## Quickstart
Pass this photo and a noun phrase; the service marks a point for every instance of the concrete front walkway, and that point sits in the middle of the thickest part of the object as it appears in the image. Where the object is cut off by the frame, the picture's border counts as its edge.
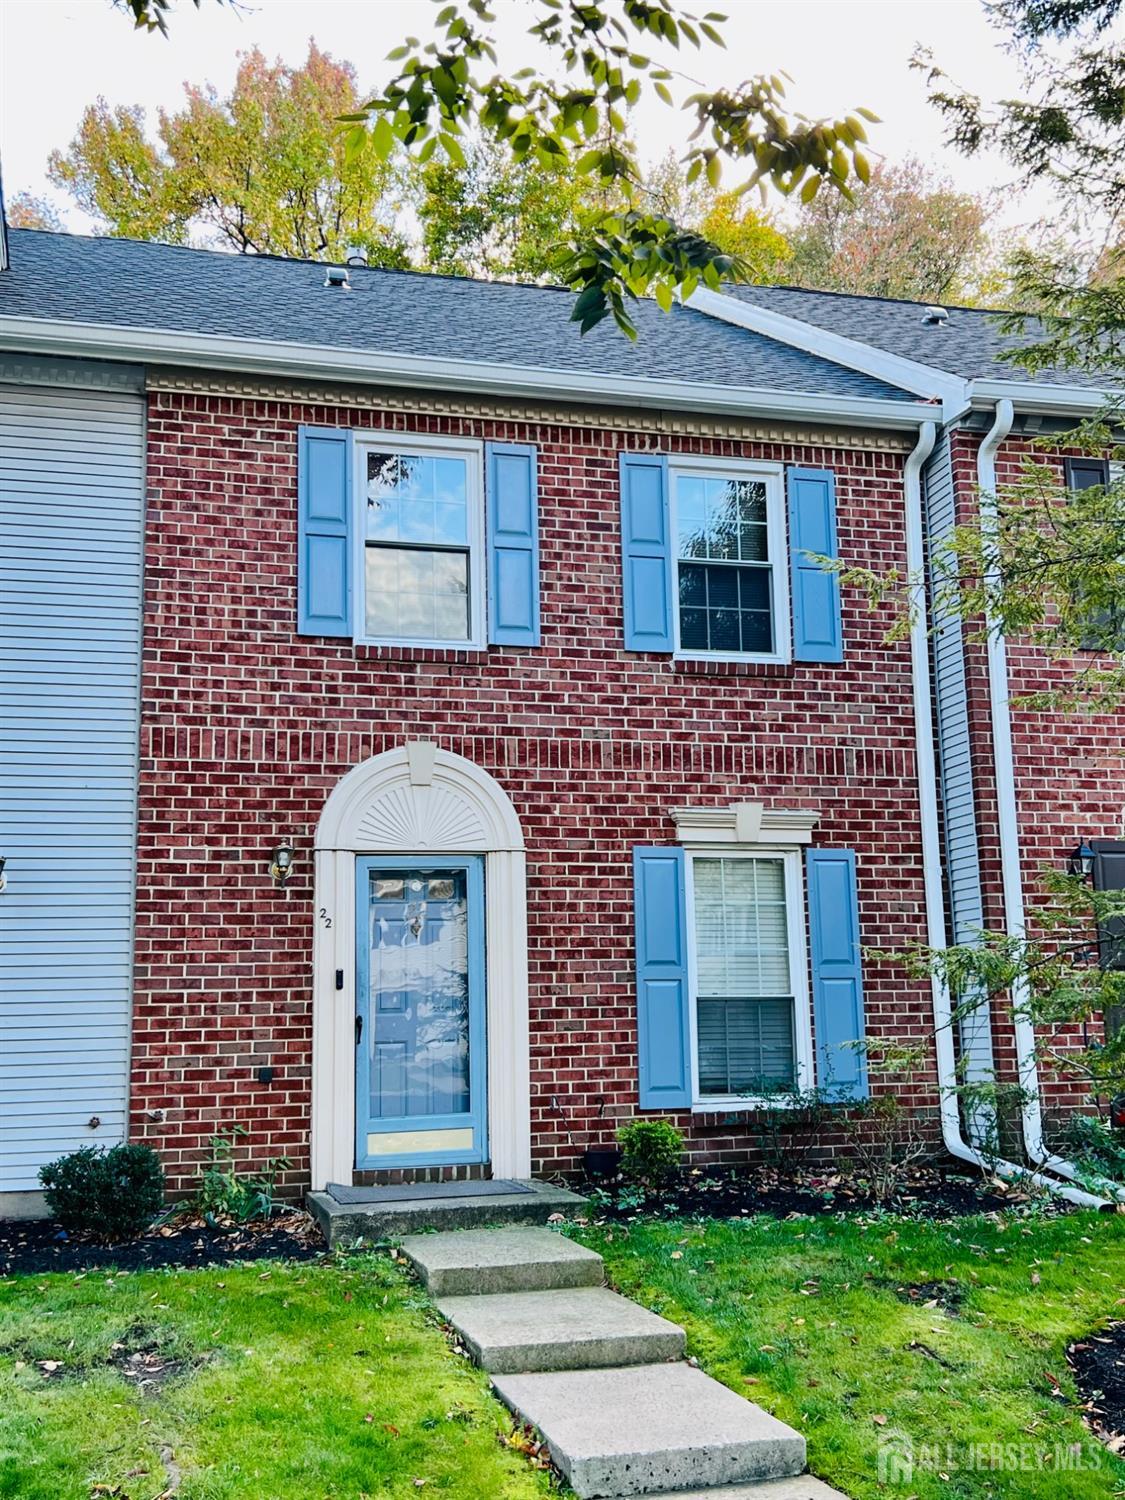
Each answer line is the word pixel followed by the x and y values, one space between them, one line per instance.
pixel 603 1380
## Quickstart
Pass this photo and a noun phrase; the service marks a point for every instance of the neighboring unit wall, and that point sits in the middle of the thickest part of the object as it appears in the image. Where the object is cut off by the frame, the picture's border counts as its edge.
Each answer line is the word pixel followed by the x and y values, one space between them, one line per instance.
pixel 71 536
pixel 1069 772
pixel 248 727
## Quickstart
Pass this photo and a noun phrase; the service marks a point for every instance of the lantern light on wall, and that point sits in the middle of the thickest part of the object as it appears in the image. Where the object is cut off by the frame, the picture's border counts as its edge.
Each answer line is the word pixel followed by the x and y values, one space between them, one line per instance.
pixel 281 862
pixel 1080 864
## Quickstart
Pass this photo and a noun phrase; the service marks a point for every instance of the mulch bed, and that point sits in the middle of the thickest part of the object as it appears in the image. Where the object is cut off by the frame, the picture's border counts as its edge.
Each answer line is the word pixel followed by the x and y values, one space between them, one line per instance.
pixel 1098 1363
pixel 927 1192
pixel 38 1245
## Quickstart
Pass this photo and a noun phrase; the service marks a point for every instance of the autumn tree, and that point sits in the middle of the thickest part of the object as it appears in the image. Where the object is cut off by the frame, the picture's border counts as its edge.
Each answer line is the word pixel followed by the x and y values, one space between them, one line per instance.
pixel 262 171
pixel 26 211
pixel 905 233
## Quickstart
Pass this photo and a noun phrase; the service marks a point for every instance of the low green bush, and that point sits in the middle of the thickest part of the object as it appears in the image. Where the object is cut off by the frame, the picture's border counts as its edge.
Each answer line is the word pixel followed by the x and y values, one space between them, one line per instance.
pixel 110 1194
pixel 651 1150
pixel 225 1193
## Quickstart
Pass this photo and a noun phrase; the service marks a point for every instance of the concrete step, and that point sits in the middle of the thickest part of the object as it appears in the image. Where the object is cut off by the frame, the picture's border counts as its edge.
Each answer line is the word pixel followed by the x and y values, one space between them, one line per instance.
pixel 575 1329
pixel 800 1487
pixel 366 1223
pixel 651 1429
pixel 475 1262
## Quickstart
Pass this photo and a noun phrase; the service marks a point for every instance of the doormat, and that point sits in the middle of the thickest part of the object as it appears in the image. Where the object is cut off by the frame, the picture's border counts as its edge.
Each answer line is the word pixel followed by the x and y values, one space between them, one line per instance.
pixel 405 1192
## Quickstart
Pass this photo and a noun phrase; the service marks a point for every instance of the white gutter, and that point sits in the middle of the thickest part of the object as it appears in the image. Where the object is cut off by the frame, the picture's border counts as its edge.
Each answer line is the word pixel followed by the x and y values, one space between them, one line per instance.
pixel 955 1142
pixel 895 369
pixel 1007 818
pixel 1042 398
pixel 278 357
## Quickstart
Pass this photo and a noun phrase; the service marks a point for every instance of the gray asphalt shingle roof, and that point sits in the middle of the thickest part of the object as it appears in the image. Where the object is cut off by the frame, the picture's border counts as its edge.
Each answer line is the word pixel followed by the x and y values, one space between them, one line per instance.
pixel 135 284
pixel 969 345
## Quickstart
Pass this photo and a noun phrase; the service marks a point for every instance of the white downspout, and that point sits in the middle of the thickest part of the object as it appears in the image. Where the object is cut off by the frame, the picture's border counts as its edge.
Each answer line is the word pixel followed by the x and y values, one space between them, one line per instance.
pixel 955 1142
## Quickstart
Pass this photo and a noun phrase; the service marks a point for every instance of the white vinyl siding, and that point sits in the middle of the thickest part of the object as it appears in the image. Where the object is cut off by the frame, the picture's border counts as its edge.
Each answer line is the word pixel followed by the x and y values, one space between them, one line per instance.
pixel 71 540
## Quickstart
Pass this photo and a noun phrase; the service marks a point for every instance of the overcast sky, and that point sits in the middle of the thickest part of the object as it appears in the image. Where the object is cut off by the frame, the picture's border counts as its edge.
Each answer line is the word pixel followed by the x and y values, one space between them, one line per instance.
pixel 57 55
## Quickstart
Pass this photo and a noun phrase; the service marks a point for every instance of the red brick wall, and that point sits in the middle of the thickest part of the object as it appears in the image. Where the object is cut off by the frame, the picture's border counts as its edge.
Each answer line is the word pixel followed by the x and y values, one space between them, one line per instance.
pixel 247 726
pixel 1069 772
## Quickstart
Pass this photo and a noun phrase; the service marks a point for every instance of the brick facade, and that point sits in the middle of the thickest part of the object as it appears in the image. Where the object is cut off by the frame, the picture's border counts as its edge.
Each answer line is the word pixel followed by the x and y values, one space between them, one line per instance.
pixel 247 726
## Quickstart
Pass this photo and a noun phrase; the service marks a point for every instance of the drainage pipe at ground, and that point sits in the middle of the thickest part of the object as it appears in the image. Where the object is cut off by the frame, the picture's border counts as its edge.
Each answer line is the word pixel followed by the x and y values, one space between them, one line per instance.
pixel 952 1136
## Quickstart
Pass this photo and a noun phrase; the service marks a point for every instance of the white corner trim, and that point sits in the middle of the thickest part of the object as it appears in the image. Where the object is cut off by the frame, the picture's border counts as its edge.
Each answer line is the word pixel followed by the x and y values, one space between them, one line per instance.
pixel 908 374
pixel 745 823
pixel 419 800
pixel 481 377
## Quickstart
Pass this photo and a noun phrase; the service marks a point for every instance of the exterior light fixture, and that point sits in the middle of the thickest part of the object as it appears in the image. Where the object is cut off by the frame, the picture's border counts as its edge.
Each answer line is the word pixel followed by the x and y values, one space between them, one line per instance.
pixel 1081 862
pixel 3 877
pixel 281 862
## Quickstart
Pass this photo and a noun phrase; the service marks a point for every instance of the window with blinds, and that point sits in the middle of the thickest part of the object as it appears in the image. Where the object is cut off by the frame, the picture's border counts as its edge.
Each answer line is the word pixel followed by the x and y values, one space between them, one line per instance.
pixel 744 999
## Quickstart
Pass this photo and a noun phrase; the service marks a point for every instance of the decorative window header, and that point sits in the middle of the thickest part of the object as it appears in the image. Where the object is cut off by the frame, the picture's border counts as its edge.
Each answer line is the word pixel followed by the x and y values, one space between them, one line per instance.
pixel 745 823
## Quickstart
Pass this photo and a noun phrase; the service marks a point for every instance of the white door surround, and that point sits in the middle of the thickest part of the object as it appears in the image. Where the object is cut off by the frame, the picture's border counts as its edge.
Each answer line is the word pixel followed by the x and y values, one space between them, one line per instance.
pixel 419 800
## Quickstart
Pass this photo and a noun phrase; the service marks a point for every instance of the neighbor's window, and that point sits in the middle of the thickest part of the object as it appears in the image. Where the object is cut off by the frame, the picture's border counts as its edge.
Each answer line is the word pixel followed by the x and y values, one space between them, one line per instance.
pixel 744 1003
pixel 727 551
pixel 421 544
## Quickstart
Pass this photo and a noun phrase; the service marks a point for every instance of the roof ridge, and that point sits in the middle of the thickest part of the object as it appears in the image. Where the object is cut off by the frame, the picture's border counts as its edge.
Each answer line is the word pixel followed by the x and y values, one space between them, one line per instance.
pixel 815 291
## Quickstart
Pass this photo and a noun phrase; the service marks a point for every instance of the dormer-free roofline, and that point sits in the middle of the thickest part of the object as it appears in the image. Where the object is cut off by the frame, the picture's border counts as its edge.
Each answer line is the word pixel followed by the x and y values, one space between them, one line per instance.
pixel 275 357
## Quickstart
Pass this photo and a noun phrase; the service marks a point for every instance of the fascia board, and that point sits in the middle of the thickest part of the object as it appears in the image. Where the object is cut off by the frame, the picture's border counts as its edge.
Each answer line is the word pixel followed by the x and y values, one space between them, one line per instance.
pixel 894 369
pixel 276 357
pixel 1037 396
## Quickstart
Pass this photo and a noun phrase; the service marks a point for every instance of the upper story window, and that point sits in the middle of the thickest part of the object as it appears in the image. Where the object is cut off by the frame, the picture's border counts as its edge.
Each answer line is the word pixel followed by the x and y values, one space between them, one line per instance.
pixel 421 577
pixel 731 588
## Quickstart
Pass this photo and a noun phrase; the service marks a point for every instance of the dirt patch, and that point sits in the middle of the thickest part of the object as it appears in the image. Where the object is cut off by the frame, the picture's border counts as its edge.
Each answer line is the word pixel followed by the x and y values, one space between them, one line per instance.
pixel 948 1295
pixel 1098 1362
pixel 147 1359
pixel 38 1245
pixel 925 1193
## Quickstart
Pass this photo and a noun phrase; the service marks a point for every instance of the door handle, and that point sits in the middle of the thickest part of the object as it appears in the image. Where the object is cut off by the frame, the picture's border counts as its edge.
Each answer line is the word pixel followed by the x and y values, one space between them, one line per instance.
pixel 358 1029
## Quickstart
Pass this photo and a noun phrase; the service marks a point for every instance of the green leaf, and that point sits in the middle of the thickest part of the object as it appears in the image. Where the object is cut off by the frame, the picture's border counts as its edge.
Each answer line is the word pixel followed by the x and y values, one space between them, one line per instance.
pixel 714 171
pixel 664 295
pixel 810 190
pixel 382 137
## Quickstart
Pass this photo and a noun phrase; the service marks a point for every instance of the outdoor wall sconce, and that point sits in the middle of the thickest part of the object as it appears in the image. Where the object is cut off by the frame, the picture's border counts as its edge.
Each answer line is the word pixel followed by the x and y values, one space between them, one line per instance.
pixel 3 877
pixel 1081 862
pixel 281 863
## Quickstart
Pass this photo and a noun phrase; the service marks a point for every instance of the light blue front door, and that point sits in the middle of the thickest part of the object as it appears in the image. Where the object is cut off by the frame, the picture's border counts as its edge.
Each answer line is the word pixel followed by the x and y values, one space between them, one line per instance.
pixel 420 1012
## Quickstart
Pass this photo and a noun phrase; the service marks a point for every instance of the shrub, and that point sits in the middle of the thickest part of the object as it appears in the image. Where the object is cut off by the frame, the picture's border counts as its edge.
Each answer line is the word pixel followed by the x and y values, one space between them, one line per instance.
pixel 111 1195
pixel 651 1150
pixel 223 1194
pixel 1095 1146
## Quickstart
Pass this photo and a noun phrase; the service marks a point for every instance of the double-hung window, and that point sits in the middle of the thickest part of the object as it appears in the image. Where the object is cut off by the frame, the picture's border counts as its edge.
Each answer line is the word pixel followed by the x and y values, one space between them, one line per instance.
pixel 751 1003
pixel 421 524
pixel 731 584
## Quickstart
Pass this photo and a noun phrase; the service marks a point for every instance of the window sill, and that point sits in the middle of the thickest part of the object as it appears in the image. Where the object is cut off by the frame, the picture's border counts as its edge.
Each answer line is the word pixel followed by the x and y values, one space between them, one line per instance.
pixel 404 652
pixel 731 666
pixel 739 1105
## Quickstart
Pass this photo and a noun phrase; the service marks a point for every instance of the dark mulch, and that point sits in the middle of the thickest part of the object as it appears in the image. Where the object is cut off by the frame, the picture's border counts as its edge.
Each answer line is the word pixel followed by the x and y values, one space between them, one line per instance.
pixel 38 1245
pixel 927 1192
pixel 1098 1363
pixel 948 1295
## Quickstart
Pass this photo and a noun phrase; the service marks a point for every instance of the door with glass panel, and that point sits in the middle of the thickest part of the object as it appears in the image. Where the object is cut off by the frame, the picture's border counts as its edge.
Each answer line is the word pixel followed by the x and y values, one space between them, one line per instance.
pixel 746 1042
pixel 420 1012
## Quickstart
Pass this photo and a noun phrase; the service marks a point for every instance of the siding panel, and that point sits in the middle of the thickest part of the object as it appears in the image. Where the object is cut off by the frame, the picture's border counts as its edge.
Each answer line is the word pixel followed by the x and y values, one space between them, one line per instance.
pixel 71 540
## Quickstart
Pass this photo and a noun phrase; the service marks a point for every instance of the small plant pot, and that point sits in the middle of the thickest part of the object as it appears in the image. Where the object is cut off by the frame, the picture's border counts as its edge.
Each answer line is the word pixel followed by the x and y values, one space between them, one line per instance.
pixel 601 1161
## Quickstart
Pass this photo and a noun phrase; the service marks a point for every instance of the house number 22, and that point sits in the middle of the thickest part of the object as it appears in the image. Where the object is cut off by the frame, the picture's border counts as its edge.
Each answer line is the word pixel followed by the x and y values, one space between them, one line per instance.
pixel 324 917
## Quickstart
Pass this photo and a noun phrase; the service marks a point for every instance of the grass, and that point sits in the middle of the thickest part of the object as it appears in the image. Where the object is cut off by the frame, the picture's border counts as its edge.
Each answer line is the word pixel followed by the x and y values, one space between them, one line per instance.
pixel 813 1320
pixel 294 1382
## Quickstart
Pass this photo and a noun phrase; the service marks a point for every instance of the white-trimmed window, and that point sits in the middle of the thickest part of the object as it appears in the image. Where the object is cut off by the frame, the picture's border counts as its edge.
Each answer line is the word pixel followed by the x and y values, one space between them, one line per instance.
pixel 731 583
pixel 752 1033
pixel 420 528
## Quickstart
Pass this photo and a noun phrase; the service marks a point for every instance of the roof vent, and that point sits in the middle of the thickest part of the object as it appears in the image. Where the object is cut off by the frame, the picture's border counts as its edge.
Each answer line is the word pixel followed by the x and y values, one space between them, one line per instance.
pixel 337 276
pixel 935 317
pixel 355 256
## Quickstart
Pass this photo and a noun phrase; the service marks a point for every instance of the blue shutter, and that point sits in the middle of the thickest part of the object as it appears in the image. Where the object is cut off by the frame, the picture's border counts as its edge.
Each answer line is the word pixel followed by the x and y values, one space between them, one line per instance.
pixel 817 629
pixel 836 973
pixel 324 589
pixel 513 545
pixel 646 547
pixel 660 906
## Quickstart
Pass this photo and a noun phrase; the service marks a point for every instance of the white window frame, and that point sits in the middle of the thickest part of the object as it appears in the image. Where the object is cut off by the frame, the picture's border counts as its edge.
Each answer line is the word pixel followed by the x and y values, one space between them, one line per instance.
pixel 773 476
pixel 470 449
pixel 798 973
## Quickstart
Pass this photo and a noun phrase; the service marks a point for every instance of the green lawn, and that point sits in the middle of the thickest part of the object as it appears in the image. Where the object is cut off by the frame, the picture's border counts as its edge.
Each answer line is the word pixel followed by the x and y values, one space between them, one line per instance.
pixel 298 1381
pixel 811 1318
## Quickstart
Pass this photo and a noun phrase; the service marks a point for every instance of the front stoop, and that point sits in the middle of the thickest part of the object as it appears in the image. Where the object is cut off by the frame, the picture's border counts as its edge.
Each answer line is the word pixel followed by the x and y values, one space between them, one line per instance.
pixel 602 1379
pixel 650 1429
pixel 345 1224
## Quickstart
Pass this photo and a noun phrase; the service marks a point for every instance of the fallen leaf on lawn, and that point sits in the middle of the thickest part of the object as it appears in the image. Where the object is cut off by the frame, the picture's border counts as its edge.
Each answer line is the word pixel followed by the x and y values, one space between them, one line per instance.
pixel 418 1483
pixel 677 1255
pixel 368 1416
pixel 1035 1278
pixel 751 1380
pixel 879 1419
pixel 392 1429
